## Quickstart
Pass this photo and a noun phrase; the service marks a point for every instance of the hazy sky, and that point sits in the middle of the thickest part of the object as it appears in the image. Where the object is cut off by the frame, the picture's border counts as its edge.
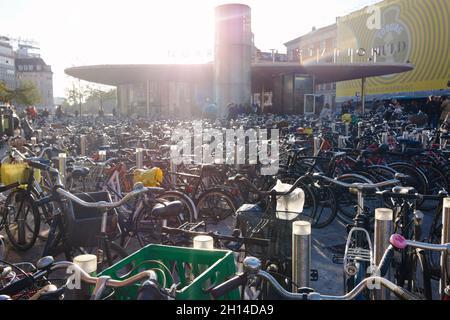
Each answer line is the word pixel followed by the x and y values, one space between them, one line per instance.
pixel 83 32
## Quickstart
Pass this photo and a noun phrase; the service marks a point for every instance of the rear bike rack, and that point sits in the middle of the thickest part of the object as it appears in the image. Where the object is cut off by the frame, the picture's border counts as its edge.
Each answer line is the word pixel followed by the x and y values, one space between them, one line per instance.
pixel 355 254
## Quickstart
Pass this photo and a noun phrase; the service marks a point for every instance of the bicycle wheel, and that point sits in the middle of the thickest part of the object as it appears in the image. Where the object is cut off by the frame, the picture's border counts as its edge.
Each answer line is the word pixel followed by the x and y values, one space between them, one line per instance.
pixel 217 204
pixel 189 213
pixel 148 227
pixel 21 219
pixel 346 201
pixel 419 280
pixel 326 207
pixel 416 177
pixel 434 236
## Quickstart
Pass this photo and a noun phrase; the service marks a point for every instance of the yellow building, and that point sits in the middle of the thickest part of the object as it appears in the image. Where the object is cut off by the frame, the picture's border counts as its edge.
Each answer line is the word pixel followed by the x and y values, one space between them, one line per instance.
pixel 397 31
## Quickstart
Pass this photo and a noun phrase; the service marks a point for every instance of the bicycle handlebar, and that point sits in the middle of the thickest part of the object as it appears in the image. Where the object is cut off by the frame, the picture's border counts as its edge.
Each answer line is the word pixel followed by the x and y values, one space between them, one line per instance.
pixel 103 282
pixel 400 242
pixel 367 283
pixel 217 236
pixel 357 185
pixel 109 205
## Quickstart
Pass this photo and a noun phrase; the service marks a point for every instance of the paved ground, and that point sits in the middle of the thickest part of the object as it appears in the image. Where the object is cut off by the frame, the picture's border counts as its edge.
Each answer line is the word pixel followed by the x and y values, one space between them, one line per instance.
pixel 330 274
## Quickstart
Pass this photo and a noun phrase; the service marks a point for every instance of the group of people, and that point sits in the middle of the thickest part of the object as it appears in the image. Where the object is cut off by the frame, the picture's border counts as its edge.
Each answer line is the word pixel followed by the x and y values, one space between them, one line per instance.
pixel 435 109
pixel 240 109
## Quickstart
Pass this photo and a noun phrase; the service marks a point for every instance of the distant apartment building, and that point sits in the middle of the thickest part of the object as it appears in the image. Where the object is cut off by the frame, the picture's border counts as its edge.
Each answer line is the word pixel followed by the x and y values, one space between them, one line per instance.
pixel 317 46
pixel 7 69
pixel 34 69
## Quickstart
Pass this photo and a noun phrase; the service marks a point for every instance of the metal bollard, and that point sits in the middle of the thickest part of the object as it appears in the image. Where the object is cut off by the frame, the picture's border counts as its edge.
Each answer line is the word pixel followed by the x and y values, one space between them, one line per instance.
pixel 203 242
pixel 383 230
pixel 102 155
pixel 83 145
pixel 384 138
pixel 341 142
pixel 347 129
pixel 301 254
pixel 333 127
pixel 316 145
pixel 360 125
pixel 39 135
pixel 445 257
pixel 80 290
pixel 62 166
pixel 139 158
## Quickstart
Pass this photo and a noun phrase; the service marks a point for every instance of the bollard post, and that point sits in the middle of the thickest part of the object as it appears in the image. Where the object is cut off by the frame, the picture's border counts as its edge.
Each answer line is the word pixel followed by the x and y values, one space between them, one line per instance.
pixel 301 254
pixel 341 142
pixel 139 158
pixel 360 124
pixel 384 138
pixel 62 167
pixel 83 145
pixel 333 127
pixel 347 129
pixel 383 230
pixel 203 242
pixel 88 263
pixel 39 135
pixel 445 257
pixel 102 155
pixel 316 145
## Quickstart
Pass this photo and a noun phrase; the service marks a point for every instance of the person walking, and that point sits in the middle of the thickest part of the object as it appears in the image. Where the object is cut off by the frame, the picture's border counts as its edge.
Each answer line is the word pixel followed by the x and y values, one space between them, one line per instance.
pixel 445 109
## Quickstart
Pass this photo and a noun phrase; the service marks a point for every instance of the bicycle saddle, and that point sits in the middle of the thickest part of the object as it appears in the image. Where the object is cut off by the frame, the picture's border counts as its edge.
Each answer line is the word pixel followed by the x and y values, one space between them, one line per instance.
pixel 404 190
pixel 79 171
pixel 169 209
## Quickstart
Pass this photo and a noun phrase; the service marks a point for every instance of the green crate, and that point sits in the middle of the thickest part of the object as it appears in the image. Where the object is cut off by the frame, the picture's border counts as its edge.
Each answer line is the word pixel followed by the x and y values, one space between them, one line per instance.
pixel 200 269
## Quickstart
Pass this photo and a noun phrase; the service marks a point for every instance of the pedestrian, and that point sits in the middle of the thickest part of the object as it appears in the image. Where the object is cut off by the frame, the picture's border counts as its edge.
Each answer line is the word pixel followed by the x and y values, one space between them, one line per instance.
pixel 445 109
pixel 433 111
pixel 114 112
pixel 325 114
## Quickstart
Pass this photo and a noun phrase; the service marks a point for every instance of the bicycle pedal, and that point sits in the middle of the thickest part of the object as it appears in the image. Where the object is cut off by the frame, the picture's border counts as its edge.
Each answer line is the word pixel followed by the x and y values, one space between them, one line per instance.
pixel 314 275
pixel 338 259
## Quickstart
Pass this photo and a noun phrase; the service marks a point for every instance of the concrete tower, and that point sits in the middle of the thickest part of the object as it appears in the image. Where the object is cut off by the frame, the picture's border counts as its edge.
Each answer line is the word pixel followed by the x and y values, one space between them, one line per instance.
pixel 233 49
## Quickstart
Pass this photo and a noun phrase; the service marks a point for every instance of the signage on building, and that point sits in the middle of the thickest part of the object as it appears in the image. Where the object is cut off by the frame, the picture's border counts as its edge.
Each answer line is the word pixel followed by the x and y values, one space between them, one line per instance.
pixel 407 31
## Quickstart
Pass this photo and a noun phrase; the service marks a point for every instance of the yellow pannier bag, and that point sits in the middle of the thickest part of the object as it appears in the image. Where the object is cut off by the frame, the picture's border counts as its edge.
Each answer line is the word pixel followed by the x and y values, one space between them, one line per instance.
pixel 17 172
pixel 149 178
pixel 347 117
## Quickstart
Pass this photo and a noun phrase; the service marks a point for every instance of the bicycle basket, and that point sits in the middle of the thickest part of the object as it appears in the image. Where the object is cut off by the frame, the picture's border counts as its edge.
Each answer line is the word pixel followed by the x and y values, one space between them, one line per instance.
pixel 17 172
pixel 193 269
pixel 84 224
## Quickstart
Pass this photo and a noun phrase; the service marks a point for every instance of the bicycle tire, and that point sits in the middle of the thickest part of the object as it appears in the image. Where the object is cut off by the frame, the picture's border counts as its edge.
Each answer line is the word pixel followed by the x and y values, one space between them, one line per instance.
pixel 25 199
pixel 222 194
pixel 420 282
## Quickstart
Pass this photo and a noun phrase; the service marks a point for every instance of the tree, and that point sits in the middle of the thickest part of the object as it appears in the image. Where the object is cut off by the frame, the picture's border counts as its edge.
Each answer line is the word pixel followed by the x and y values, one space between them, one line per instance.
pixel 5 93
pixel 26 94
pixel 76 95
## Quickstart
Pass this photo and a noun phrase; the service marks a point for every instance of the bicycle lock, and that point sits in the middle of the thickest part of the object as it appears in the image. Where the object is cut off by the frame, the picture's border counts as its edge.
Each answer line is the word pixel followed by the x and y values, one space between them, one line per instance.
pixel 384 227
pixel 301 254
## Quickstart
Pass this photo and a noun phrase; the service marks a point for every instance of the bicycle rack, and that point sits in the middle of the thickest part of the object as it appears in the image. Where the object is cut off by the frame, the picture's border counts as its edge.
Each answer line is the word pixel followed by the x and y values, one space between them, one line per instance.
pixel 356 254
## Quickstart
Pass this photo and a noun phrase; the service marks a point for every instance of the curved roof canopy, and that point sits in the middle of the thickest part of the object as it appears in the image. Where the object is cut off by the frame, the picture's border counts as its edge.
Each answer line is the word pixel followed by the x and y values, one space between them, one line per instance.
pixel 262 73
